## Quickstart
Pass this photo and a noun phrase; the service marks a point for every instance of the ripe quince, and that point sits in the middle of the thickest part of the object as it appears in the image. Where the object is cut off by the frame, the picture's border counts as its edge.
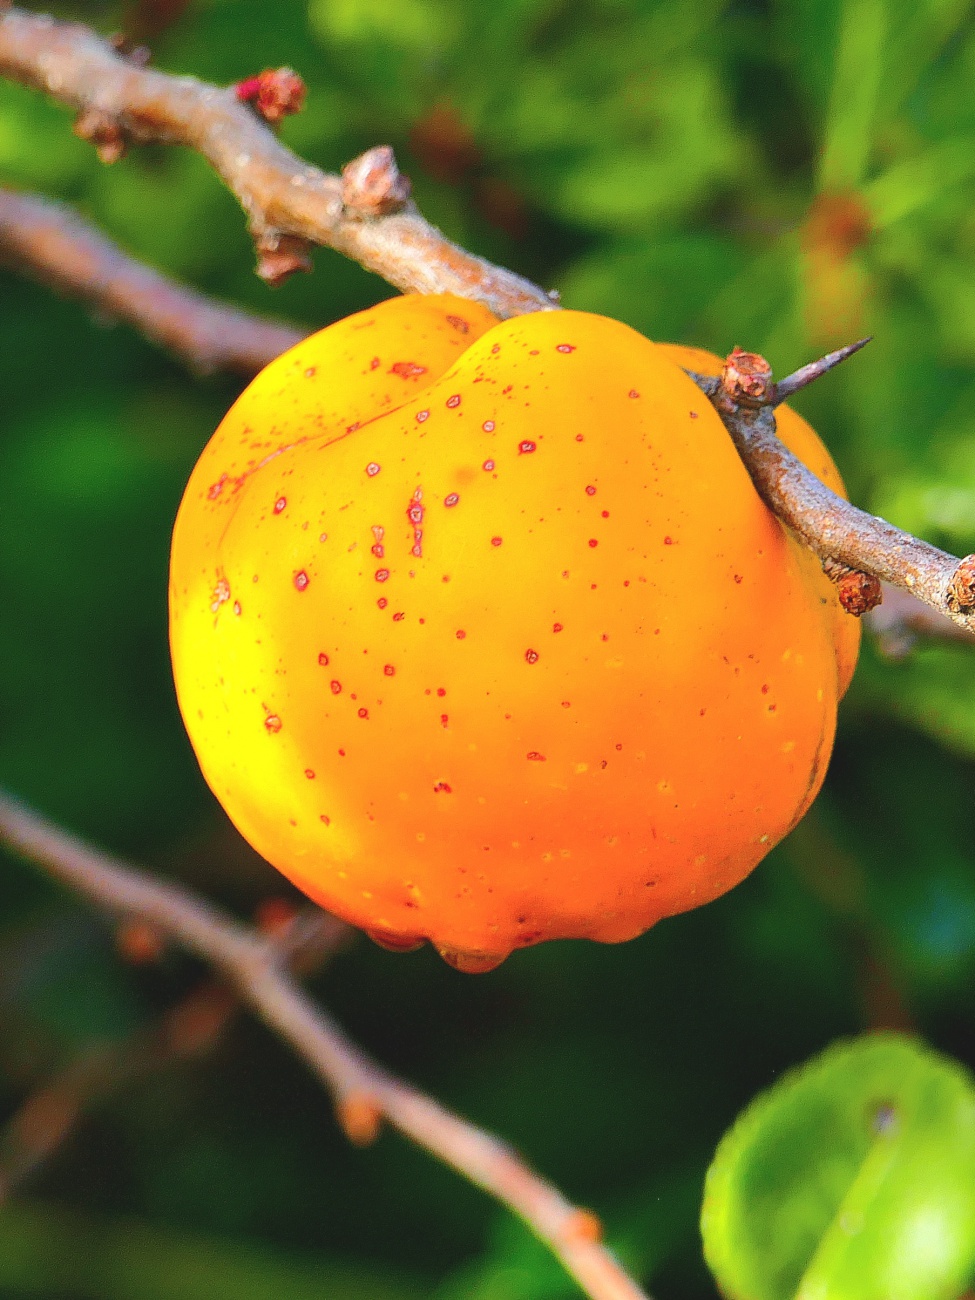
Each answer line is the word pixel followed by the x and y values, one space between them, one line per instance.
pixel 482 635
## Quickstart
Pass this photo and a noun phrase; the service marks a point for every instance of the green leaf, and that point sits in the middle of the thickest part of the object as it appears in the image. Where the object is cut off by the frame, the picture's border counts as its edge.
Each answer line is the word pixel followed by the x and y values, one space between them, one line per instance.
pixel 852 1178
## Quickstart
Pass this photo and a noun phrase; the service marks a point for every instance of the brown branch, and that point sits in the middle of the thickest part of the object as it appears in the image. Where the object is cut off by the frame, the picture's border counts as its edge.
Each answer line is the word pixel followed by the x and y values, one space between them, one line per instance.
pixel 745 397
pixel 902 621
pixel 363 1091
pixel 283 197
pixel 52 243
pixel 191 1028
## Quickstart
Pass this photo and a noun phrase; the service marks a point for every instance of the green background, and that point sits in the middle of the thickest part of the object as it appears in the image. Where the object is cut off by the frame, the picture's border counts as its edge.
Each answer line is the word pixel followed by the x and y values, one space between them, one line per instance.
pixel 784 175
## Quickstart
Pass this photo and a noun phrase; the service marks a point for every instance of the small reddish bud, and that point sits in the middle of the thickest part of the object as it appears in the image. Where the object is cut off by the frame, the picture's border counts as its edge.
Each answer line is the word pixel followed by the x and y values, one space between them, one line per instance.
pixel 275 917
pixel 746 378
pixel 274 93
pixel 858 592
pixel 103 131
pixel 139 942
pixel 359 1117
pixel 961 588
pixel 280 256
pixel 373 185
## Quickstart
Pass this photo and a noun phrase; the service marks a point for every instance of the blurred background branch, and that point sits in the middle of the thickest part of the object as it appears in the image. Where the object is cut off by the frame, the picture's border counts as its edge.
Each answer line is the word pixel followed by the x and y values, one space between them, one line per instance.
pixel 47 240
pixel 363 1093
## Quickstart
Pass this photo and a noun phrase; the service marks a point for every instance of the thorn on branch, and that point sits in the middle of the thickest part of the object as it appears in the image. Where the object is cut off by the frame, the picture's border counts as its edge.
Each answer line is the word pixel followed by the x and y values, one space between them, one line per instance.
pixel 858 592
pixel 103 131
pixel 805 376
pixel 373 185
pixel 279 256
pixel 961 587
pixel 274 93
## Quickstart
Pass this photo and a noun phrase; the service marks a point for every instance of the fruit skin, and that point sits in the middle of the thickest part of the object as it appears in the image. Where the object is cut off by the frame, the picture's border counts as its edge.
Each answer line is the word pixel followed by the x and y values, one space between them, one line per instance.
pixel 603 689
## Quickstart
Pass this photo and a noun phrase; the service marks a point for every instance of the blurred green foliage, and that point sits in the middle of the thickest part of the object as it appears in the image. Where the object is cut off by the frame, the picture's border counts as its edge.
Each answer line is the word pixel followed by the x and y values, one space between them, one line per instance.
pixel 782 174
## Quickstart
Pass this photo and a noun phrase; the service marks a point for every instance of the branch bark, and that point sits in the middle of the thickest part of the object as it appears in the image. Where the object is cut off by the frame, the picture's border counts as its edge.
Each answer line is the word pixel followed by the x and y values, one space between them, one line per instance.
pixel 362 1090
pixel 284 197
pixel 50 242
pixel 837 531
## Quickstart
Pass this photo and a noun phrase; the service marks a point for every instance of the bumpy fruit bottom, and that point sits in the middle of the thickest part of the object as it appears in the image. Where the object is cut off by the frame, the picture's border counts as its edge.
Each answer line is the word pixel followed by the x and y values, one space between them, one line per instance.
pixel 482 635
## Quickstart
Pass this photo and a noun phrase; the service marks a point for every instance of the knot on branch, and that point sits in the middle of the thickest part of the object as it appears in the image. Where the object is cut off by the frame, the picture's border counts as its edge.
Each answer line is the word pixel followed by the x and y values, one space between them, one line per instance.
pixel 279 256
pixel 858 592
pixel 103 131
pixel 961 587
pixel 273 94
pixel 373 185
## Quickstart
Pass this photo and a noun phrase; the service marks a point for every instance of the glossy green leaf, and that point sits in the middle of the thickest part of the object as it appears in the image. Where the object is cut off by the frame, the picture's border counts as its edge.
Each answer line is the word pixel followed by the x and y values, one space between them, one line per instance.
pixel 853 1178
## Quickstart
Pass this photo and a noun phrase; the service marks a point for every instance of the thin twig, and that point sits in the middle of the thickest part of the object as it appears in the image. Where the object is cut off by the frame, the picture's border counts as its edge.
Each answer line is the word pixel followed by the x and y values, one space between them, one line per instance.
pixel 191 1028
pixel 902 621
pixel 283 196
pixel 745 396
pixel 52 243
pixel 363 1091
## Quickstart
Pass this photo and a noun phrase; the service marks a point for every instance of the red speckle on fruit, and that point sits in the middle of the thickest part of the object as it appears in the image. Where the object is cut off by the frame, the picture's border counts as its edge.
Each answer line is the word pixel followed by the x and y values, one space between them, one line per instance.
pixel 565 347
pixel 453 401
pixel 280 504
pixel 381 575
pixel 336 687
pixel 534 756
pixel 526 448
pixel 407 369
pixel 301 580
pixel 488 426
pixel 421 416
pixel 272 723
pixel 531 656
pixel 323 659
pixel 451 499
